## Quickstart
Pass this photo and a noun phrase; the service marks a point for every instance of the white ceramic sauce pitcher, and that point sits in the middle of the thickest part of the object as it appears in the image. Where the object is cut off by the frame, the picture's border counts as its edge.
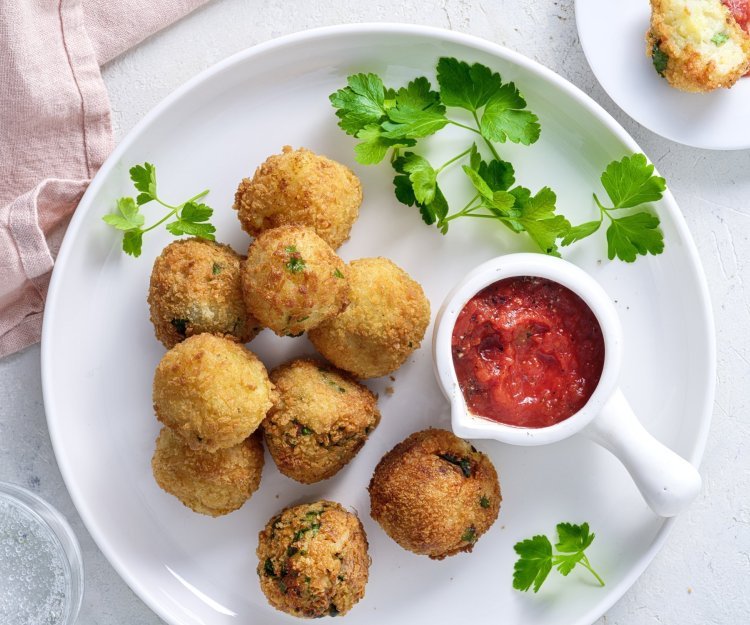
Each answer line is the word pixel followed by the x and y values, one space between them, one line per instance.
pixel 667 481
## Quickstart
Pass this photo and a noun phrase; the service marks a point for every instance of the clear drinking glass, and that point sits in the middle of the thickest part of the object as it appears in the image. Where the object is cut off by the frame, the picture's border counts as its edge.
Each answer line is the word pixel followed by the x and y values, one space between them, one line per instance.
pixel 41 569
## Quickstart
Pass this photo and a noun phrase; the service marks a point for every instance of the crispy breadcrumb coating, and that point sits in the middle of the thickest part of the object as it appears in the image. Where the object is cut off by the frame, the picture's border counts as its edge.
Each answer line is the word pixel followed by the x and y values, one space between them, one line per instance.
pixel 195 287
pixel 434 494
pixel 211 391
pixel 697 45
pixel 299 187
pixel 292 280
pixel 313 560
pixel 319 422
pixel 385 321
pixel 209 483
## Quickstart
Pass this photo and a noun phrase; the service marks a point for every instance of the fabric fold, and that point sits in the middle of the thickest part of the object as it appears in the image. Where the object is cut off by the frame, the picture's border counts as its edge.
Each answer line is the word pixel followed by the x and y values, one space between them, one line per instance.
pixel 55 132
pixel 115 27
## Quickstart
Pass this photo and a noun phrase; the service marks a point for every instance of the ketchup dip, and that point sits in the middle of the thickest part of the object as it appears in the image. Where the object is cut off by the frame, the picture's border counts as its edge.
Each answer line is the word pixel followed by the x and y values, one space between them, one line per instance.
pixel 527 351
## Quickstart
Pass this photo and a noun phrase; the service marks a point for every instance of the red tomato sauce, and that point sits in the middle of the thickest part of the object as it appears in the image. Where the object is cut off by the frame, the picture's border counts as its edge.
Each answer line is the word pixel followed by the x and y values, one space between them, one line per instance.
pixel 527 351
pixel 740 9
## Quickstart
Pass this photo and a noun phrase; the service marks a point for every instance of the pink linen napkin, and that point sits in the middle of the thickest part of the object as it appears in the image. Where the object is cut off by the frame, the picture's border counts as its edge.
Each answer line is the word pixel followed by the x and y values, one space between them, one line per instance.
pixel 55 132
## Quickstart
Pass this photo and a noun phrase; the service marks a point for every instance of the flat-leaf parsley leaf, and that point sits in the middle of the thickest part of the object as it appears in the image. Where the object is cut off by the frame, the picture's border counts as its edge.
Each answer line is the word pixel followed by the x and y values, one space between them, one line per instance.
pixel 536 557
pixel 629 182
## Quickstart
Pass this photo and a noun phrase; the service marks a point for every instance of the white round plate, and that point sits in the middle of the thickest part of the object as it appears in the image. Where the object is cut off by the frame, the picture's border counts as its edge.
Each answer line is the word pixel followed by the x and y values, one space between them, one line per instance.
pixel 99 352
pixel 613 37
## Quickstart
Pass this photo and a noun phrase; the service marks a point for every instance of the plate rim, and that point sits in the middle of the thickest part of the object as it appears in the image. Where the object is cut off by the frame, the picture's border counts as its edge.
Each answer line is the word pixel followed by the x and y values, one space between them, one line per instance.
pixel 310 35
pixel 587 52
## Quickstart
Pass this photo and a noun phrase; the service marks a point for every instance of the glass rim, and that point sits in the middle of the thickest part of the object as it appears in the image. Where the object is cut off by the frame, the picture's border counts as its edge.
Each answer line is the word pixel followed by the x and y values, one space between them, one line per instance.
pixel 58 529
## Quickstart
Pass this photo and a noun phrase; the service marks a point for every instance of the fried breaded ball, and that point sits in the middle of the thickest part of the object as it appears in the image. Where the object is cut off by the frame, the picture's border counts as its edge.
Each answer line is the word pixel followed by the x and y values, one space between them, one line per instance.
pixel 697 45
pixel 319 422
pixel 384 323
pixel 313 561
pixel 195 288
pixel 435 494
pixel 292 280
pixel 210 483
pixel 299 187
pixel 212 392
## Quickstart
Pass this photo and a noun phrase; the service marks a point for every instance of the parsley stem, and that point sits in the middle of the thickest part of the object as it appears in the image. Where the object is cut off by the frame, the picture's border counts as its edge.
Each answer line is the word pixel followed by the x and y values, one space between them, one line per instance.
pixel 460 125
pixel 192 199
pixel 167 205
pixel 453 160
pixel 602 210
pixel 489 143
pixel 174 209
pixel 585 562
pixel 162 220
pixel 466 210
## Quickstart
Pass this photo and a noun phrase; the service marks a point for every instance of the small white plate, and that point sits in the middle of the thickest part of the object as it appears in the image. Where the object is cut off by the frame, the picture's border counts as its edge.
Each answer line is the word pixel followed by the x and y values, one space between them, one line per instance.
pixel 613 37
pixel 99 351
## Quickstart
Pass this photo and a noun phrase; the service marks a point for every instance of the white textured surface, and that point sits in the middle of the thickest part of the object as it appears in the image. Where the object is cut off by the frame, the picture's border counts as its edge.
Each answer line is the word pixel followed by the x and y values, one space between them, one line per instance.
pixel 701 576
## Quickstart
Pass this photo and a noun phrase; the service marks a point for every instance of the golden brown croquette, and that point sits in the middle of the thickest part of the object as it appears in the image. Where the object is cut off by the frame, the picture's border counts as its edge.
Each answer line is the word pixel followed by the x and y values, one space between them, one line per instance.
pixel 292 280
pixel 210 483
pixel 384 323
pixel 435 494
pixel 320 420
pixel 299 187
pixel 697 45
pixel 196 287
pixel 313 561
pixel 211 391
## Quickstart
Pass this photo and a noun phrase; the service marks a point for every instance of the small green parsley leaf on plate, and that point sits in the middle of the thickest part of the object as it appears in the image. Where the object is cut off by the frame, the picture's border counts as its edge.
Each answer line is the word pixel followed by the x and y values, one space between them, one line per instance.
pixel 144 180
pixel 132 242
pixel 180 226
pixel 413 124
pixel 361 103
pixel 375 144
pixel 504 118
pixel 581 231
pixel 632 235
pixel 417 112
pixel 195 212
pixel 534 563
pixel 466 86
pixel 129 218
pixel 479 183
pixel 538 218
pixel 631 181
pixel 191 221
pixel 572 542
pixel 498 174
pixel 422 176
pixel 416 184
pixel 417 96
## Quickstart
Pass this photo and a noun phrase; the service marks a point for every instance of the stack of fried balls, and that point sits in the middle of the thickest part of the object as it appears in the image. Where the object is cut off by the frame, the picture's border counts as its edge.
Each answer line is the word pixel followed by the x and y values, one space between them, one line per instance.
pixel 217 402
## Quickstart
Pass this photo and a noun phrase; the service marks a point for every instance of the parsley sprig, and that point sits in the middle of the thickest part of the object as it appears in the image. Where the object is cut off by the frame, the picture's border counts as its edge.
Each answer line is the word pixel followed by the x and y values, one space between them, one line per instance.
pixel 386 119
pixel 392 120
pixel 191 217
pixel 629 182
pixel 536 557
